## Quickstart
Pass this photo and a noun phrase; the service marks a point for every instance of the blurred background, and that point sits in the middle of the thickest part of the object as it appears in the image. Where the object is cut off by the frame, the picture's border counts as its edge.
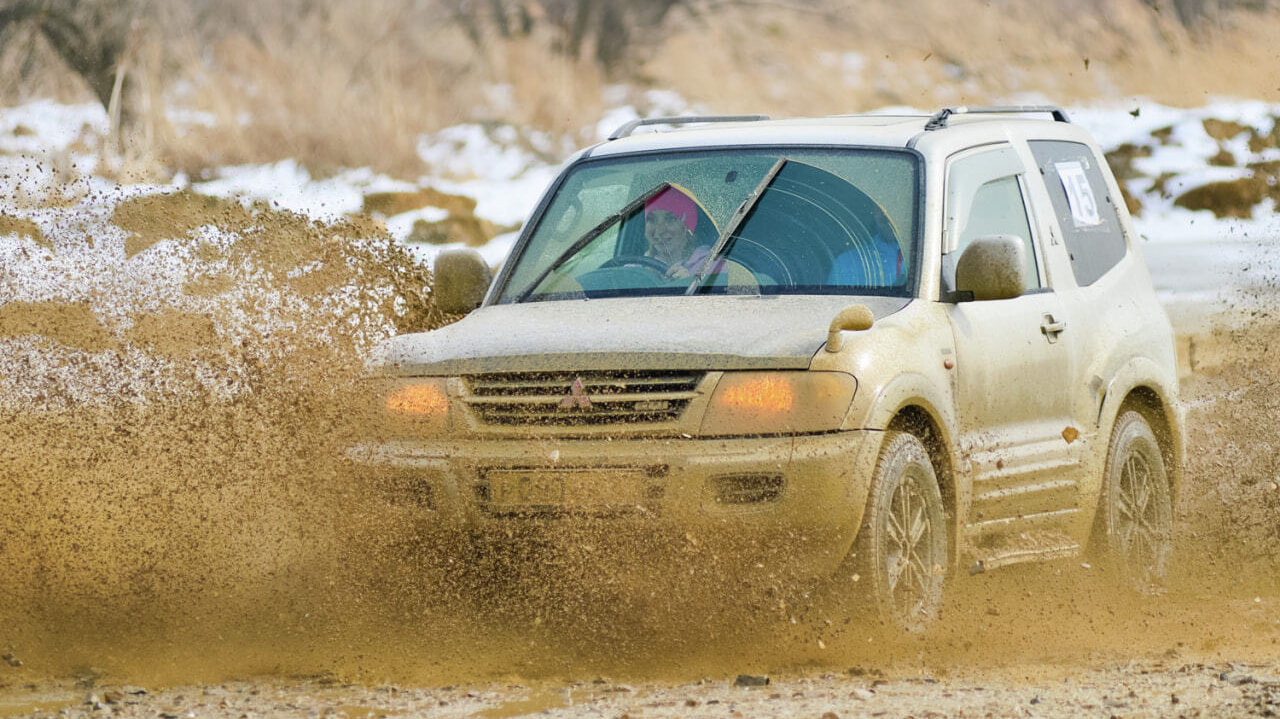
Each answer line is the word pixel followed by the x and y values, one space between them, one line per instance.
pixel 191 85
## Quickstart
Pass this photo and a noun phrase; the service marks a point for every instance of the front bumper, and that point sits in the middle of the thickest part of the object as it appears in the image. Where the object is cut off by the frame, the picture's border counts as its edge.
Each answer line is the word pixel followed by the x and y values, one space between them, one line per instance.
pixel 790 504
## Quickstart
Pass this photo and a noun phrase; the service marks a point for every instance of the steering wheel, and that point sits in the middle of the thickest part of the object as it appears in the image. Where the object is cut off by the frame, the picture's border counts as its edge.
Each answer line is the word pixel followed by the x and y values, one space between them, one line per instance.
pixel 649 263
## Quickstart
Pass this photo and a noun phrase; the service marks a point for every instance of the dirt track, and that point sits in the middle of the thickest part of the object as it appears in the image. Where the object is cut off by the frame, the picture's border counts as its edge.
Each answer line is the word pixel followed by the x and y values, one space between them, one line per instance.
pixel 1134 690
pixel 1035 641
pixel 199 560
pixel 1211 657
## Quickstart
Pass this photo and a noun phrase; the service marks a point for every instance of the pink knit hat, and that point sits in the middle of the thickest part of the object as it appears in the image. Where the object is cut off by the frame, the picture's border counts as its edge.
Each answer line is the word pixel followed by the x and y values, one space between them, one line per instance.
pixel 675 201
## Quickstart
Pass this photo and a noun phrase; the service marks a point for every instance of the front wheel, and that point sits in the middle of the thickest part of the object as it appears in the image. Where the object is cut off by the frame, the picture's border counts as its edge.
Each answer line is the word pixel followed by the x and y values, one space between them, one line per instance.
pixel 1134 529
pixel 900 555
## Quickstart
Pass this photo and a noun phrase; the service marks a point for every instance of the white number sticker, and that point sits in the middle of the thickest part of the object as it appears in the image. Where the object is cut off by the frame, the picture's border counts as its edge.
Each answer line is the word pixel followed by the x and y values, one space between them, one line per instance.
pixel 1084 208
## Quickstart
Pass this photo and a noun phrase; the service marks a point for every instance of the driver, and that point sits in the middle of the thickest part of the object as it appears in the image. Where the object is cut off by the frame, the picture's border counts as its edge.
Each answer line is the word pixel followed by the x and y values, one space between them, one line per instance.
pixel 670 217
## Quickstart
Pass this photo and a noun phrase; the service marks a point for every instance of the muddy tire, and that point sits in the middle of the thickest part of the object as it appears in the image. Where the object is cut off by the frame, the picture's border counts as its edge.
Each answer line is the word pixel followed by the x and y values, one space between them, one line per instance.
pixel 1133 532
pixel 900 555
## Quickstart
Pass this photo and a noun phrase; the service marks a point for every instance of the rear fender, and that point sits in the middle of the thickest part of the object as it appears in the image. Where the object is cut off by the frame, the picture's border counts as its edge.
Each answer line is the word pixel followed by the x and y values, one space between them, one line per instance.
pixel 1155 391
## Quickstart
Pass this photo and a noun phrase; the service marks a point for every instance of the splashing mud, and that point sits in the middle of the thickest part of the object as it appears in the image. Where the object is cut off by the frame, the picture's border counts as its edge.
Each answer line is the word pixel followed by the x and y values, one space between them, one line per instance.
pixel 178 378
pixel 173 378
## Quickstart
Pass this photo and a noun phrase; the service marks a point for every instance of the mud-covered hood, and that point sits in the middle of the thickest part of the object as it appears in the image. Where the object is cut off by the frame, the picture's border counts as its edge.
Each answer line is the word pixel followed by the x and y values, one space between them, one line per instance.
pixel 754 332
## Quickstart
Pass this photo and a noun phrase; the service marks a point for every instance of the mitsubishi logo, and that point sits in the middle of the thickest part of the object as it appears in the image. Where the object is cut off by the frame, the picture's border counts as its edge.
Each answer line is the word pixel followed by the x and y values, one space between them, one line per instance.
pixel 577 397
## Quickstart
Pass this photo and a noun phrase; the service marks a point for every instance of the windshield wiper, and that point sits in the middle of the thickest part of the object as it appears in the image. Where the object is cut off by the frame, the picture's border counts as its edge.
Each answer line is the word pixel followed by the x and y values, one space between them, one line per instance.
pixel 726 237
pixel 588 238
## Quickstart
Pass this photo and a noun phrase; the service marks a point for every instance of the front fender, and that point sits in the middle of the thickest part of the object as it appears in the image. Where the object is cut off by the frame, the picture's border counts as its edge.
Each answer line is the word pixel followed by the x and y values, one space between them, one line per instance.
pixel 911 390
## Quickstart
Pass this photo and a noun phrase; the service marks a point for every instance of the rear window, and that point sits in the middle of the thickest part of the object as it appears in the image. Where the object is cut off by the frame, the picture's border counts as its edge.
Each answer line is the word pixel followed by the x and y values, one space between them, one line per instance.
pixel 1085 208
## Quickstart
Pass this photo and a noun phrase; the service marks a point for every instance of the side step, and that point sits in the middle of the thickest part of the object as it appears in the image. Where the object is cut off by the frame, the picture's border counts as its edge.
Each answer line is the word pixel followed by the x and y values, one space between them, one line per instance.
pixel 1032 546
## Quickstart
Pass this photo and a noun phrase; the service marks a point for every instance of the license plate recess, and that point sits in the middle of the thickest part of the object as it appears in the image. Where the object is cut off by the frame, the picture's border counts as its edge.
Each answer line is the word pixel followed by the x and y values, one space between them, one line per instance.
pixel 570 490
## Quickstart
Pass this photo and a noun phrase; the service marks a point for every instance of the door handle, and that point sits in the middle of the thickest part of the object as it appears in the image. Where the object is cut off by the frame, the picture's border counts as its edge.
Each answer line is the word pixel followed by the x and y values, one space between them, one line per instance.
pixel 1051 328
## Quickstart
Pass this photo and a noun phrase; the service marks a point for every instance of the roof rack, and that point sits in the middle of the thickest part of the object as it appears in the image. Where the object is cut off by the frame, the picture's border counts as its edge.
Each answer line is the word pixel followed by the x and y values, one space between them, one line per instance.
pixel 939 119
pixel 630 127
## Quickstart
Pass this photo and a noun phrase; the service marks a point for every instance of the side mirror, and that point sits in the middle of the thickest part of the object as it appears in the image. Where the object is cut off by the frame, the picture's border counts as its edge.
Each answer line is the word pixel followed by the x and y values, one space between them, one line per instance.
pixel 991 267
pixel 462 278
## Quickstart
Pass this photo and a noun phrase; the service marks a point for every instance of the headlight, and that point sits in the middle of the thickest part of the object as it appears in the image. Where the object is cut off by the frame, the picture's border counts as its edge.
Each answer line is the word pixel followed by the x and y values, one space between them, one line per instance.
pixel 778 403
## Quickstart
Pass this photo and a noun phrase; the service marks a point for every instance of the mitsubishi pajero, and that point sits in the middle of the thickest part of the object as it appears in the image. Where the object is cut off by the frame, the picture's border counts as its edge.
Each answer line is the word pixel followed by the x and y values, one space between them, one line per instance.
pixel 874 348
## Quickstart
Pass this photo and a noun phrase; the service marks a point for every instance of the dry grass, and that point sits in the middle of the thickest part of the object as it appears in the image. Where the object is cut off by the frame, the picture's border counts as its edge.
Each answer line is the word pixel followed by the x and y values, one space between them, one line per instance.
pixel 348 85
pixel 926 53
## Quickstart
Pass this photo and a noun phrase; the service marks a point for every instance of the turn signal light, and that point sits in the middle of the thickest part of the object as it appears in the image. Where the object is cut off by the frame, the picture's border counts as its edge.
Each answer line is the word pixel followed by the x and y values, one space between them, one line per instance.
pixel 422 399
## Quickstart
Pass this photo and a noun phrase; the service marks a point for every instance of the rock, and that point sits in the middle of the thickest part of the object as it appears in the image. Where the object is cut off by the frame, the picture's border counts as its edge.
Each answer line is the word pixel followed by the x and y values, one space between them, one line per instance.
pixel 1259 142
pixel 1237 678
pixel 1224 158
pixel 830 715
pixel 88 678
pixel 468 230
pixel 751 680
pixel 1232 198
pixel 1121 160
pixel 1268 168
pixel 1223 129
pixel 1132 203
pixel 11 660
pixel 389 204
pixel 112 697
pixel 861 694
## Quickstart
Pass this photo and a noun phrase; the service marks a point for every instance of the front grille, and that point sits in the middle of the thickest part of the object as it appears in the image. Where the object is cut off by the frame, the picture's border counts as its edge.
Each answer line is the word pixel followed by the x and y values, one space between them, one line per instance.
pixel 568 399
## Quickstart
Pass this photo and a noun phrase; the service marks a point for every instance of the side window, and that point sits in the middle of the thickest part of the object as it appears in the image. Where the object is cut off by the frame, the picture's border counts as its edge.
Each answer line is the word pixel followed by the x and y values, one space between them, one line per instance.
pixel 1085 209
pixel 998 209
pixel 984 197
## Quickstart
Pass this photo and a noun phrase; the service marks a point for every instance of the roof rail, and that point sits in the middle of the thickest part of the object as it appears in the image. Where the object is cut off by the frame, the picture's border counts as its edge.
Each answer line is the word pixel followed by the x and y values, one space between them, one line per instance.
pixel 630 127
pixel 939 119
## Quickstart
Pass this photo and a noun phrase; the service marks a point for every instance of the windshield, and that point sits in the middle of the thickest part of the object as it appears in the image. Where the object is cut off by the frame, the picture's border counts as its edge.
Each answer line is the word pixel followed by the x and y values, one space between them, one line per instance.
pixel 740 221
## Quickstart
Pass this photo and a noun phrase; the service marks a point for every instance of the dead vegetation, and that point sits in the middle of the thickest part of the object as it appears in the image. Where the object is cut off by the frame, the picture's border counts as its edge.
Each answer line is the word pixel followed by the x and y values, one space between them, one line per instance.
pixel 1230 198
pixel 339 84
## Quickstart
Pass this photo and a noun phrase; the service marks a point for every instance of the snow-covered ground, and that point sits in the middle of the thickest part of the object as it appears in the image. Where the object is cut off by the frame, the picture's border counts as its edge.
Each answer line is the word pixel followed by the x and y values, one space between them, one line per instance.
pixel 48 150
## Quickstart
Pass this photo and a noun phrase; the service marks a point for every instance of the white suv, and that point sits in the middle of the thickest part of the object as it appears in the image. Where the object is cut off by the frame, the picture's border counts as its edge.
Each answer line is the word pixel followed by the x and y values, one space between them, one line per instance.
pixel 879 347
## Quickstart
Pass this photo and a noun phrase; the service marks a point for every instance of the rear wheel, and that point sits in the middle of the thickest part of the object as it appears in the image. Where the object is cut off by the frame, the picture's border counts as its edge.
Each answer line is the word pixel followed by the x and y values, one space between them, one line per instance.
pixel 1134 528
pixel 900 555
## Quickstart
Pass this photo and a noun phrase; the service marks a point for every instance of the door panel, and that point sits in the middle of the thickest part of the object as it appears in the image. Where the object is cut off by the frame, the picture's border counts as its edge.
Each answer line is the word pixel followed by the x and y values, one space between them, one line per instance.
pixel 1013 368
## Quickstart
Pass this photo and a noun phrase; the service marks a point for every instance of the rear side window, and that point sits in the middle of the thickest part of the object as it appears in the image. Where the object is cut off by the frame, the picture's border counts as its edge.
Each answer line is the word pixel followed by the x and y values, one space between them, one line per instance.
pixel 1085 208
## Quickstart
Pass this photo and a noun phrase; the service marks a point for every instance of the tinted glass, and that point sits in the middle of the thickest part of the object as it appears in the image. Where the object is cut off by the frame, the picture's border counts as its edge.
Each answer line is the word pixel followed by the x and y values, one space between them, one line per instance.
pixel 1085 209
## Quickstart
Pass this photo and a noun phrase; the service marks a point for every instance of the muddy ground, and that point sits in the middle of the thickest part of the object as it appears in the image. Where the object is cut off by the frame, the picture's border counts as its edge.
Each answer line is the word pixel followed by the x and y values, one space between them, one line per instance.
pixel 196 551
pixel 359 632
